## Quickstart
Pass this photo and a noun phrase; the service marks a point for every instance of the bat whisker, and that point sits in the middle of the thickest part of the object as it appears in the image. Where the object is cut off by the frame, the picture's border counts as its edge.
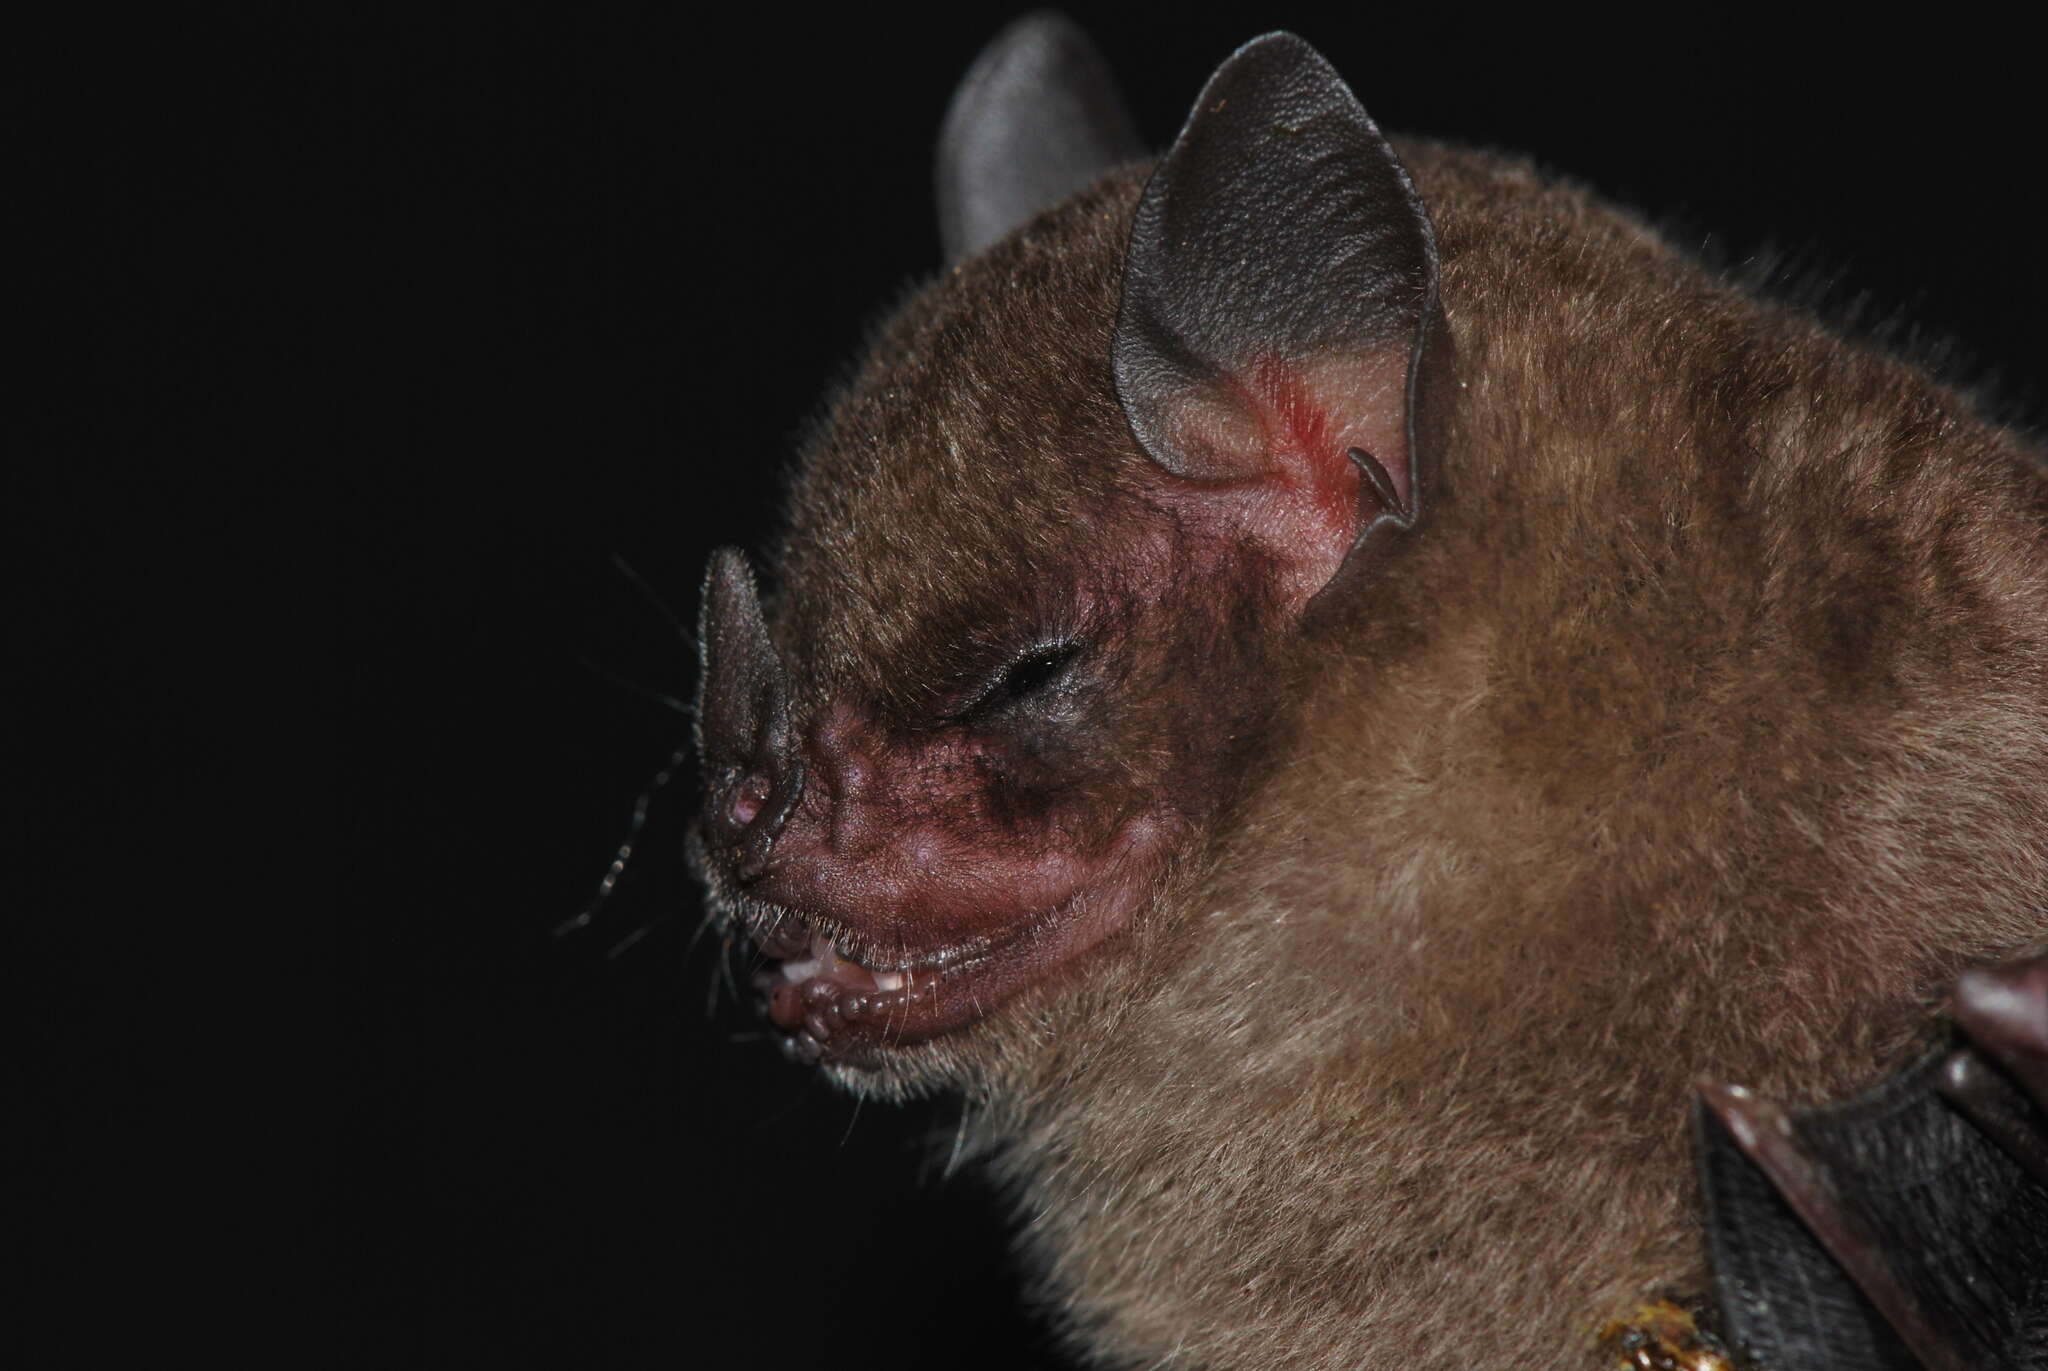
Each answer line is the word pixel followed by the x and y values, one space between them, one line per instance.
pixel 847 1136
pixel 639 582
pixel 623 854
pixel 633 687
pixel 626 943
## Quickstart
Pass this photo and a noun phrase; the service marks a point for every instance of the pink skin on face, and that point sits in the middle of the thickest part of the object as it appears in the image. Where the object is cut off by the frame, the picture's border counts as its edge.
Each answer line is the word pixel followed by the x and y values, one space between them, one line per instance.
pixel 898 906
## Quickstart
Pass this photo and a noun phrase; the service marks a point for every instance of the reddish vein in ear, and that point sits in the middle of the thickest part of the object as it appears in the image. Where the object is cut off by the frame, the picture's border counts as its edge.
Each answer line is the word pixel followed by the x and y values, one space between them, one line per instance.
pixel 1308 488
pixel 1306 450
pixel 1273 442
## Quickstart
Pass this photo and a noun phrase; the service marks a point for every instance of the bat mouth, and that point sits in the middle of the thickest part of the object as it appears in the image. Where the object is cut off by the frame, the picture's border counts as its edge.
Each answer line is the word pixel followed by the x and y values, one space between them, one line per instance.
pixel 829 1005
pixel 822 999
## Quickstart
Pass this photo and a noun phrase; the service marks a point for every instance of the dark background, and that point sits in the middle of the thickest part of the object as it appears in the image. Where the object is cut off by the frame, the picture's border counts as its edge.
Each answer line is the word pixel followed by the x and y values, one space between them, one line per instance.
pixel 485 300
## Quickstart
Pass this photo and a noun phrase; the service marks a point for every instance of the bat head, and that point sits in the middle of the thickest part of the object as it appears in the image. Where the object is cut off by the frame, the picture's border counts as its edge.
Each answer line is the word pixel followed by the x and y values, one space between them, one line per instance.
pixel 1052 560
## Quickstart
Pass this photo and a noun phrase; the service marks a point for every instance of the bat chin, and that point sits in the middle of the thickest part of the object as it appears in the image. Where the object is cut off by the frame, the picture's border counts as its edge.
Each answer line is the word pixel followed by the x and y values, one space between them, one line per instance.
pixel 829 1005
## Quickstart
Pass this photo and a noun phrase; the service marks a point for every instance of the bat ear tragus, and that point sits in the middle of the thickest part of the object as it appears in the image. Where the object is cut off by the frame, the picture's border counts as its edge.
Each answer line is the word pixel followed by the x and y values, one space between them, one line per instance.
pixel 1280 290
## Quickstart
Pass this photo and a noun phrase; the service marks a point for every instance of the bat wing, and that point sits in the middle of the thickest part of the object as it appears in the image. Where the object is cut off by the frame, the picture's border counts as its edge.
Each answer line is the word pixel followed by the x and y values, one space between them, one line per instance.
pixel 1905 1229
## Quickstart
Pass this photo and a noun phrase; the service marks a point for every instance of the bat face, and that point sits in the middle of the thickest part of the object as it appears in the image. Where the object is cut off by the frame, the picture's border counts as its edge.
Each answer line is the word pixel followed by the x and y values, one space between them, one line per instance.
pixel 1051 559
pixel 975 737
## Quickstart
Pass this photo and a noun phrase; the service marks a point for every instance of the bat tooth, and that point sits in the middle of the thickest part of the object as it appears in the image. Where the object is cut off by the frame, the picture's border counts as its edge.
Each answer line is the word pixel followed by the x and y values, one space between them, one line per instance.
pixel 843 971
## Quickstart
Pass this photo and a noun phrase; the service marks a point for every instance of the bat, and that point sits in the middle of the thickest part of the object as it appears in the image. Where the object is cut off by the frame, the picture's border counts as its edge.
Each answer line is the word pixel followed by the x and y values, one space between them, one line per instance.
pixel 1323 683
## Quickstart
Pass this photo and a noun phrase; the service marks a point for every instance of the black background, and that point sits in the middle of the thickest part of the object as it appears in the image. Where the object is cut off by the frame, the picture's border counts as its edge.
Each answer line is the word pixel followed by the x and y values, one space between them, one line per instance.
pixel 488 299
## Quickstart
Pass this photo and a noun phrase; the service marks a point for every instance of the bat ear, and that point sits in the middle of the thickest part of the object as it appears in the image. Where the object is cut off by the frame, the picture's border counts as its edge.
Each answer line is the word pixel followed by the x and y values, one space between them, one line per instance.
pixel 1279 290
pixel 1036 118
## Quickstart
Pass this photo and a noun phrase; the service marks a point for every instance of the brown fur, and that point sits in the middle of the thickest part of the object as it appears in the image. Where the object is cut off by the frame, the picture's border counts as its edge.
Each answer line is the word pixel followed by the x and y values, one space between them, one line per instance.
pixel 1702 730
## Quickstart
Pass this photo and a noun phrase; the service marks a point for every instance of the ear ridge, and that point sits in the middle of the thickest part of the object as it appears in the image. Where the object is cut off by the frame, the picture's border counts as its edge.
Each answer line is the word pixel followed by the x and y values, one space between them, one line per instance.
pixel 1037 117
pixel 1279 288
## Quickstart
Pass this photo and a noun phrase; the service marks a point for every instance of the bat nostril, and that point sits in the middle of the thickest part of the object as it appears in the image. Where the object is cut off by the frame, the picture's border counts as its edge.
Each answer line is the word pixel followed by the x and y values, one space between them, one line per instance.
pixel 756 811
pixel 748 799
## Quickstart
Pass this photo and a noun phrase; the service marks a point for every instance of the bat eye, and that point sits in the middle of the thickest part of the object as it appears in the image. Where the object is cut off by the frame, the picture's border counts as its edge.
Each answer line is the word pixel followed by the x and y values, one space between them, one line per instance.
pixel 1033 673
pixel 1037 669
